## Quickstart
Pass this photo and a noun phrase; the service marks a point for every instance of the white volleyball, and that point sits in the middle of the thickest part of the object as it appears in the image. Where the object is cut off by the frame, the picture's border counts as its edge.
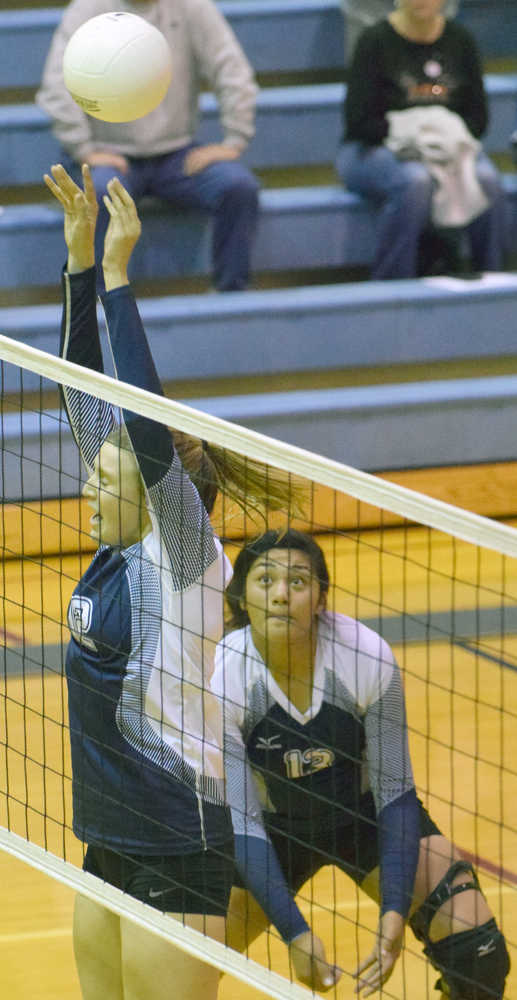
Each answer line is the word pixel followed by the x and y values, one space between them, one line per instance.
pixel 117 67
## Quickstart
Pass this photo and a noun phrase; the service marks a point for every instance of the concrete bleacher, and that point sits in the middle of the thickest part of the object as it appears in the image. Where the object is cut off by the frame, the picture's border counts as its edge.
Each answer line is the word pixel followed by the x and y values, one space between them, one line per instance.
pixel 300 229
pixel 309 329
pixel 307 33
pixel 286 116
pixel 305 227
pixel 278 35
pixel 370 427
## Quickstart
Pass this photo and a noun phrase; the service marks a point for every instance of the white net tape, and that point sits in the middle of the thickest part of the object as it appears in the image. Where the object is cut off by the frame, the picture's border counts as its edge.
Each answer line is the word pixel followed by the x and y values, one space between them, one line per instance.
pixel 388 496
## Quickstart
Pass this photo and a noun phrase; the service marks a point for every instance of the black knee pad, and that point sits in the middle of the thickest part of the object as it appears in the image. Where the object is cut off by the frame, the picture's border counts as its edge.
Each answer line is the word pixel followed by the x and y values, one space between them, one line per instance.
pixel 421 920
pixel 473 964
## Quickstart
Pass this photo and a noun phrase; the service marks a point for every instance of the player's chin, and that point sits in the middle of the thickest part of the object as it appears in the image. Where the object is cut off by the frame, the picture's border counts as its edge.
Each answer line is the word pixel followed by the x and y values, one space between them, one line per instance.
pixel 101 533
pixel 283 626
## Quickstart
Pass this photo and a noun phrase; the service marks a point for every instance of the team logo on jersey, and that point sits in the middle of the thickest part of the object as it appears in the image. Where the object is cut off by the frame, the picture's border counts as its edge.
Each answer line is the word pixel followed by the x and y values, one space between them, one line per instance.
pixel 486 949
pixel 80 613
pixel 300 763
pixel 268 743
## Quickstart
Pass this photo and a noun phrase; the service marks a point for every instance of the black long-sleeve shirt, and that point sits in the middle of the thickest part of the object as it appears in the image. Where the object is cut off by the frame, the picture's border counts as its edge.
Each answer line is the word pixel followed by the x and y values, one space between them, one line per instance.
pixel 391 73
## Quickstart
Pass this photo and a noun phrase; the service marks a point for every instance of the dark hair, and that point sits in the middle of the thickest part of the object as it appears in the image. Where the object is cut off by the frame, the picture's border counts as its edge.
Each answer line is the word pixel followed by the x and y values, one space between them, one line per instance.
pixel 291 539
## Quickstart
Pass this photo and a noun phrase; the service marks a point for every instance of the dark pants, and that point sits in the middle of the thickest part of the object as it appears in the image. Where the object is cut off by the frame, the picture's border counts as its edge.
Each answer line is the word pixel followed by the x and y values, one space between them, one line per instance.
pixel 227 190
pixel 402 190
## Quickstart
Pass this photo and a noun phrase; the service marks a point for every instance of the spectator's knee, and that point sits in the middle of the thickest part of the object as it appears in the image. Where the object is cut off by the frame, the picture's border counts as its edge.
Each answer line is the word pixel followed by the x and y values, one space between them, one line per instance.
pixel 489 179
pixel 240 187
pixel 416 182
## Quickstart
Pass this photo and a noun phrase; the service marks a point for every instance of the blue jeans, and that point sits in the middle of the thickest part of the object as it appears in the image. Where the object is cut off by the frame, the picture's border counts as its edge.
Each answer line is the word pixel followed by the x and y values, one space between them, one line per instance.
pixel 226 189
pixel 402 190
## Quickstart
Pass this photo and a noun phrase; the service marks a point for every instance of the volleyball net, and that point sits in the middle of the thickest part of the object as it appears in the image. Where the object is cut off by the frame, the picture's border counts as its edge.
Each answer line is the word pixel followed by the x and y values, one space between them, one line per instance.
pixel 439 584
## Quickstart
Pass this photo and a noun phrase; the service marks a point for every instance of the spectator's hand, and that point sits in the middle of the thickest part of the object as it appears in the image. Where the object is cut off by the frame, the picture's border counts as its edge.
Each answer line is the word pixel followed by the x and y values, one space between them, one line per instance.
pixel 122 235
pixel 107 159
pixel 81 209
pixel 307 954
pixel 202 156
pixel 376 969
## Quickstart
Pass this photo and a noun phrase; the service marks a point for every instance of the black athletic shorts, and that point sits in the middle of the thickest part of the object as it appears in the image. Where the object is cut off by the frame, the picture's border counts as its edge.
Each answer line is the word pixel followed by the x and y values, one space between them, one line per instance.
pixel 177 883
pixel 353 848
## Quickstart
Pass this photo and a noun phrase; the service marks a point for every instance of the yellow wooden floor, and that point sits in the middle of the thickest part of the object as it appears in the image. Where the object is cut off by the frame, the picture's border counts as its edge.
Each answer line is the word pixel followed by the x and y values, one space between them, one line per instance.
pixel 462 711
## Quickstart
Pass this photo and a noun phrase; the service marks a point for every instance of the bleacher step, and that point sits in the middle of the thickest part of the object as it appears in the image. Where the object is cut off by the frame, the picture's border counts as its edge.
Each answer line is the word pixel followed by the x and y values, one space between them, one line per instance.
pixel 288 35
pixel 299 228
pixel 296 126
pixel 371 427
pixel 310 329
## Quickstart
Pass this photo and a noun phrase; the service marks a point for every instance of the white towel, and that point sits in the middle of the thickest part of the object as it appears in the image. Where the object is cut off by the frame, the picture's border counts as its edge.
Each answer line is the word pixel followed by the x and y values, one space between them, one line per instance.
pixel 441 140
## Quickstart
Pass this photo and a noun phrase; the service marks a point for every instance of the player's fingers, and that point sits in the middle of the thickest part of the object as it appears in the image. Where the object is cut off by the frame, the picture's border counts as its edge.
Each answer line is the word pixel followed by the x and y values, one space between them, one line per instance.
pixel 110 206
pixel 124 194
pixel 368 984
pixel 89 187
pixel 365 964
pixel 120 194
pixel 79 202
pixel 64 180
pixel 327 975
pixel 55 189
pixel 379 972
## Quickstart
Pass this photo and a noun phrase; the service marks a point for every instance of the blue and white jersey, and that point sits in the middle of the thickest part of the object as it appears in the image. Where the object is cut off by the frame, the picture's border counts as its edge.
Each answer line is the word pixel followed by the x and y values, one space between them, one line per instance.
pixel 146 731
pixel 305 772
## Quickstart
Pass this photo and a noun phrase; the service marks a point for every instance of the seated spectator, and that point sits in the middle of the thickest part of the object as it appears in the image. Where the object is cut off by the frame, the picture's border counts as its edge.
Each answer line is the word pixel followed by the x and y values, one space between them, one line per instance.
pixel 416 59
pixel 360 14
pixel 157 155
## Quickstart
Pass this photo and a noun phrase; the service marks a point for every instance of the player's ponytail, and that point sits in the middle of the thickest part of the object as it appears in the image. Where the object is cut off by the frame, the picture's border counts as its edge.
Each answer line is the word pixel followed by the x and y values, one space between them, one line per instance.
pixel 252 485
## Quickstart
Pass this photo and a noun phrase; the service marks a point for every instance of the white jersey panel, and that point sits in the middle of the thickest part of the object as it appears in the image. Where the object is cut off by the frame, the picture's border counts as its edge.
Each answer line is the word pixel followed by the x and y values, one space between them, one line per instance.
pixel 167 710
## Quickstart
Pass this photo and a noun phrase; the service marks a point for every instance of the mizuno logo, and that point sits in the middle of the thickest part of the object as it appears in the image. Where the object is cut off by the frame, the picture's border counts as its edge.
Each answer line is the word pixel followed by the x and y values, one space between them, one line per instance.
pixel 268 743
pixel 486 949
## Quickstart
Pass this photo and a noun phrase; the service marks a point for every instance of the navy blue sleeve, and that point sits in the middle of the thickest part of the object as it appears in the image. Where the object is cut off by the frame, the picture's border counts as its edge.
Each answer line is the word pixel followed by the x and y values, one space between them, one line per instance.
pixel 91 419
pixel 152 441
pixel 80 340
pixel 399 844
pixel 261 873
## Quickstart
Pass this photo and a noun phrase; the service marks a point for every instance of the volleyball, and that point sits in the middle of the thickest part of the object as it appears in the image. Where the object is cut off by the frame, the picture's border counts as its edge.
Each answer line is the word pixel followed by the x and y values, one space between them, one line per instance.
pixel 117 67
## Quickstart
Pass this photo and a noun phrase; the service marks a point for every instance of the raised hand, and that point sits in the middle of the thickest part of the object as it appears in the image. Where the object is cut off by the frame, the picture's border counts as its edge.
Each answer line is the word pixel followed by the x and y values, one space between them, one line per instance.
pixel 122 234
pixel 377 967
pixel 307 954
pixel 81 210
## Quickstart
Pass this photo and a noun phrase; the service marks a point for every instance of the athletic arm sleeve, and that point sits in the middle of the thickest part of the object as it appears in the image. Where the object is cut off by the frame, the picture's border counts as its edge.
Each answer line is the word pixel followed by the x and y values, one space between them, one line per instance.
pixel 90 419
pixel 260 870
pixel 255 856
pixel 399 843
pixel 175 507
pixel 392 784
